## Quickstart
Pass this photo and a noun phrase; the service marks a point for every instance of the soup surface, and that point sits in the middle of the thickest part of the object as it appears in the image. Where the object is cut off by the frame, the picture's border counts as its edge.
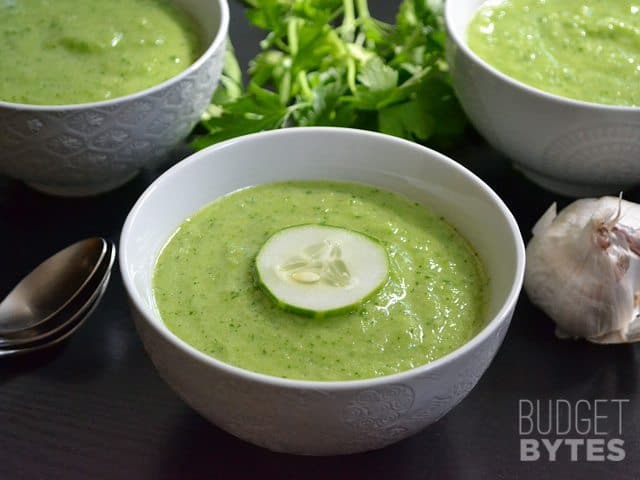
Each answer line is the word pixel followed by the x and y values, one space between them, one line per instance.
pixel 56 52
pixel 207 293
pixel 582 49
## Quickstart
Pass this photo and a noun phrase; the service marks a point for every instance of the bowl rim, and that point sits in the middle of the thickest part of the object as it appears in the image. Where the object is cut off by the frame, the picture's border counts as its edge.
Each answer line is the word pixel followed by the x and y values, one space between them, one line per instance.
pixel 213 47
pixel 156 323
pixel 451 9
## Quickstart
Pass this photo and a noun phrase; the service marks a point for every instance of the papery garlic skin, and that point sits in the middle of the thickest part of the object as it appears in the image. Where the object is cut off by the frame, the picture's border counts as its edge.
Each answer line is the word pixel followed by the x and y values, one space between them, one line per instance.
pixel 583 269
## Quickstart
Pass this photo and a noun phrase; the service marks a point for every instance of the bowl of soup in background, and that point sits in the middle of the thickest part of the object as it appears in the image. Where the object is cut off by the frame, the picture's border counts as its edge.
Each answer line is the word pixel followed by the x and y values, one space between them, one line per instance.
pixel 87 148
pixel 571 147
pixel 321 417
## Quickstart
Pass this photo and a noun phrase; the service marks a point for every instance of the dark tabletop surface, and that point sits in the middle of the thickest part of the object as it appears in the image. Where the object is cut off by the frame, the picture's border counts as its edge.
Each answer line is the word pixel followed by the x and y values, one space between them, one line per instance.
pixel 95 408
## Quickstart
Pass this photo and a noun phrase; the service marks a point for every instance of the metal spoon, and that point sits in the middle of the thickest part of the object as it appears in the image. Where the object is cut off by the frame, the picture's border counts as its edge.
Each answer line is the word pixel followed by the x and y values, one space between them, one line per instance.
pixel 62 335
pixel 72 311
pixel 51 287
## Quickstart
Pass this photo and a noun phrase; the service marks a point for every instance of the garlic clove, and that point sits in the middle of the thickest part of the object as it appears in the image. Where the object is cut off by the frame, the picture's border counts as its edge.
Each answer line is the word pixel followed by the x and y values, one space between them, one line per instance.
pixel 545 221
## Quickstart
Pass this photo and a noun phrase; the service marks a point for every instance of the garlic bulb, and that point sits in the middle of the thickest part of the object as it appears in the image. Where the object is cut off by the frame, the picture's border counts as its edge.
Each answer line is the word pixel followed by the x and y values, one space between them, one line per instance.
pixel 583 269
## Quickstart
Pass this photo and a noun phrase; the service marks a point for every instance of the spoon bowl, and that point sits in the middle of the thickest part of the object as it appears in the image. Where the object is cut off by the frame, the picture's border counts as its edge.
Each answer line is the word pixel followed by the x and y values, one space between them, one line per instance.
pixel 52 287
pixel 68 329
pixel 72 311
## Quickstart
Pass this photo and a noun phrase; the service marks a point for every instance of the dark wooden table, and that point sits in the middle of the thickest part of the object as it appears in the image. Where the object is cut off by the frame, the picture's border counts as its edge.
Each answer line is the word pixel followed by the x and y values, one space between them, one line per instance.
pixel 95 408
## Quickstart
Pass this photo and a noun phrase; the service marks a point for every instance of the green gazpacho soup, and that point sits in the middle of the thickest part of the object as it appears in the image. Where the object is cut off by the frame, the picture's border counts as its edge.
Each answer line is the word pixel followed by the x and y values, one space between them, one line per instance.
pixel 582 49
pixel 56 52
pixel 207 291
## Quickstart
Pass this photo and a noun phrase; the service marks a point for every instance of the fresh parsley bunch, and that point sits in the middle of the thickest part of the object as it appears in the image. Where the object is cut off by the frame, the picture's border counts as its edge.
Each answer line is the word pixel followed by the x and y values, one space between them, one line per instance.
pixel 329 62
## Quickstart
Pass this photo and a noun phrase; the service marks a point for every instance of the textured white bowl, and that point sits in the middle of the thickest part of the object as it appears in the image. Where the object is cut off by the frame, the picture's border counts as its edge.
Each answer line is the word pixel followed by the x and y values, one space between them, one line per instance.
pixel 321 418
pixel 89 148
pixel 571 147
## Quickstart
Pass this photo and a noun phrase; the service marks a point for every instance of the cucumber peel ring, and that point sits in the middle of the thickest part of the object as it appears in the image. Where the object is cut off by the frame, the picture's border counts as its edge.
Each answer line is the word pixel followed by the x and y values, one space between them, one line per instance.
pixel 321 270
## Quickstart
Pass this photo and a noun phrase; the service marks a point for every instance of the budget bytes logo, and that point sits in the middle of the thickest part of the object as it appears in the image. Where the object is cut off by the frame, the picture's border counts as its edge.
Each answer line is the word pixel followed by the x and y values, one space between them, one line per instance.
pixel 582 430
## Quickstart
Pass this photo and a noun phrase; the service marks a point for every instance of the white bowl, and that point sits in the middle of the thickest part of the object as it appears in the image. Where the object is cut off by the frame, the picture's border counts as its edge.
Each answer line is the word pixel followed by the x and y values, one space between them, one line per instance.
pixel 571 147
pixel 90 148
pixel 321 418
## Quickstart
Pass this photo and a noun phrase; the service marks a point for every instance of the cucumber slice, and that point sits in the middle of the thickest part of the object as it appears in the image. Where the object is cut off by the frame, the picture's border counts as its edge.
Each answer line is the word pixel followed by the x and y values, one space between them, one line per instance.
pixel 320 270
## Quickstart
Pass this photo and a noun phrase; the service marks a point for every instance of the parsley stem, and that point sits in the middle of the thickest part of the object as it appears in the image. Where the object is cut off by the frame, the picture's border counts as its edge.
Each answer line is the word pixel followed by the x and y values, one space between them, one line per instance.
pixel 284 89
pixel 305 90
pixel 348 20
pixel 292 36
pixel 351 74
pixel 291 109
pixel 363 9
